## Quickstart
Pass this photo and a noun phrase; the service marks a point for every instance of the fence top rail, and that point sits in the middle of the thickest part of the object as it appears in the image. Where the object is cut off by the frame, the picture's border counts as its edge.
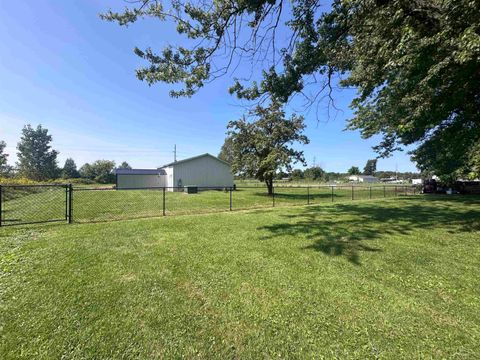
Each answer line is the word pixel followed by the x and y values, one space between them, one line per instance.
pixel 32 185
pixel 239 187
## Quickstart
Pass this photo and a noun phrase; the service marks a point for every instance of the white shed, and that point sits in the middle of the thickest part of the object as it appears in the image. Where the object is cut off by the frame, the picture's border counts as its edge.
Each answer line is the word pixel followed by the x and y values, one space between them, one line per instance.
pixel 363 178
pixel 203 171
pixel 139 178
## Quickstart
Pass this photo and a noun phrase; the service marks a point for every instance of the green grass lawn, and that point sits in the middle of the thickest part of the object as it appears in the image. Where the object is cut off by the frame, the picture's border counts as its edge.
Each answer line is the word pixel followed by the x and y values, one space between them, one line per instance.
pixel 389 279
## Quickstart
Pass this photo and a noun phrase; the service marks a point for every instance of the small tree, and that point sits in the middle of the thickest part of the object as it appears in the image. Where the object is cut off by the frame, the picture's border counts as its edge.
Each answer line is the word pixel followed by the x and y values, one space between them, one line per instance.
pixel 86 171
pixel 297 174
pixel 370 167
pixel 69 170
pixel 262 147
pixel 124 165
pixel 101 171
pixel 36 159
pixel 5 169
pixel 314 173
pixel 354 170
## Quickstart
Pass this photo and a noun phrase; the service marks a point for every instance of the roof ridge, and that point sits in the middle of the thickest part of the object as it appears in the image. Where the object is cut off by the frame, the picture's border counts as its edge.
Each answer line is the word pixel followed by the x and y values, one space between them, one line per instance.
pixel 193 158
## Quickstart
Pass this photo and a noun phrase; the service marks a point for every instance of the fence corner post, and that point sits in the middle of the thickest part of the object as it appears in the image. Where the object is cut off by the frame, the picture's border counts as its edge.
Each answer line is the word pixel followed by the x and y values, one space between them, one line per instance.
pixel 370 193
pixel 332 193
pixel 353 198
pixel 230 198
pixel 70 205
pixel 308 195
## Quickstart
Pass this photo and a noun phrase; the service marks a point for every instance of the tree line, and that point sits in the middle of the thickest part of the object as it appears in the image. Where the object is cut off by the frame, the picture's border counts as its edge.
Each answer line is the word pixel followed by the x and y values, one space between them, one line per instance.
pixel 37 161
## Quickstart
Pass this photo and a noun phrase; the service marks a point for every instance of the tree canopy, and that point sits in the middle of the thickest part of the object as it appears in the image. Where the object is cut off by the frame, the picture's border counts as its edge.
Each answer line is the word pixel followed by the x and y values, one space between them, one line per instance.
pixel 226 152
pixel 125 165
pixel 36 158
pixel 314 173
pixel 415 64
pixel 5 169
pixel 263 146
pixel 69 170
pixel 370 167
pixel 101 171
pixel 354 170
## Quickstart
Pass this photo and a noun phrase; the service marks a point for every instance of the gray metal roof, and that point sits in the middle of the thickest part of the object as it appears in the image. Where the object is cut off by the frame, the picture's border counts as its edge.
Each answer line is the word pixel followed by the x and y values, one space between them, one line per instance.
pixel 139 172
pixel 193 158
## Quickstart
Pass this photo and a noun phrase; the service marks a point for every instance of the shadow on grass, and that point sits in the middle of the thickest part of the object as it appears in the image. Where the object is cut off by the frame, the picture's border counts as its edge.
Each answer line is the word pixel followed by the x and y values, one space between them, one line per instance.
pixel 345 229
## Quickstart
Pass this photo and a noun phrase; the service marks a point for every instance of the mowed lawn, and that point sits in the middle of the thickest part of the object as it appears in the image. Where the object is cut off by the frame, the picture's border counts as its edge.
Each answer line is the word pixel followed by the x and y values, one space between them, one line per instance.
pixel 392 279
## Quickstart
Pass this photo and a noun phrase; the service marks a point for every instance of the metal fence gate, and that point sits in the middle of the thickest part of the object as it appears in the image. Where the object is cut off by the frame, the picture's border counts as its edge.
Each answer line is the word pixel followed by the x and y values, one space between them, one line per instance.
pixel 29 204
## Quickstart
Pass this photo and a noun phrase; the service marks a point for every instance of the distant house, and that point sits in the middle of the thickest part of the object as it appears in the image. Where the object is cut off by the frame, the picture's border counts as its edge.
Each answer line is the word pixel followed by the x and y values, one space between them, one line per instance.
pixel 203 171
pixel 363 179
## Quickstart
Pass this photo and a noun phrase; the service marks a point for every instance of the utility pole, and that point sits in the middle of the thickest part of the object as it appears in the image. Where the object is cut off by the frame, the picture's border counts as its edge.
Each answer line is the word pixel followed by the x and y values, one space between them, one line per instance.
pixel 314 161
pixel 175 153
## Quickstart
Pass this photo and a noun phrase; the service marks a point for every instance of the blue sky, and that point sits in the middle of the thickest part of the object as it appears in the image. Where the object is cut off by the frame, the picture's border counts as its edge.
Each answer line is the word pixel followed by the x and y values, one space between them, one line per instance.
pixel 64 68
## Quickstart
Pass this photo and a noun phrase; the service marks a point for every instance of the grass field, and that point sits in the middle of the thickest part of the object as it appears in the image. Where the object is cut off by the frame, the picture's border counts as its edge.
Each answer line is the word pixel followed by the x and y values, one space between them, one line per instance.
pixel 388 279
pixel 49 203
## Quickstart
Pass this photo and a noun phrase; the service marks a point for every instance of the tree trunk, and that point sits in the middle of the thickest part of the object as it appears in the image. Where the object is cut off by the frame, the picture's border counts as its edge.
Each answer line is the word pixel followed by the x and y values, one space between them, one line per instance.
pixel 269 183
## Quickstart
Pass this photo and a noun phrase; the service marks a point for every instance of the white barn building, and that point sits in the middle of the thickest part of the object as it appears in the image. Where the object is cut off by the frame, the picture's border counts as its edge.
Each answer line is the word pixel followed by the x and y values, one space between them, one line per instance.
pixel 202 171
pixel 139 178
pixel 363 179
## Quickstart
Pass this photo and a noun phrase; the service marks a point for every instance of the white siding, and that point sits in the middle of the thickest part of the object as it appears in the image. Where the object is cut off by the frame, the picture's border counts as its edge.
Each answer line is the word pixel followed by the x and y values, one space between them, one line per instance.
pixel 169 177
pixel 140 181
pixel 203 171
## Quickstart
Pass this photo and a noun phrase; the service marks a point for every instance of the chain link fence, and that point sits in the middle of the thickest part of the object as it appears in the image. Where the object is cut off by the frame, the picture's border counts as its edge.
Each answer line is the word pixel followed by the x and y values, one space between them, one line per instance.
pixel 27 204
pixel 45 203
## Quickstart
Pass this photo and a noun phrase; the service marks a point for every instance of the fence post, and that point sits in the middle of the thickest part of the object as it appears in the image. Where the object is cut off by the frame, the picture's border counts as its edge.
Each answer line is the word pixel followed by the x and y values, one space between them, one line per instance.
pixel 370 193
pixel 66 202
pixel 273 196
pixel 414 188
pixel 352 193
pixel 405 189
pixel 230 198
pixel 70 203
pixel 332 193
pixel 163 201
pixel 308 195
pixel 395 190
pixel 1 203
pixel 384 193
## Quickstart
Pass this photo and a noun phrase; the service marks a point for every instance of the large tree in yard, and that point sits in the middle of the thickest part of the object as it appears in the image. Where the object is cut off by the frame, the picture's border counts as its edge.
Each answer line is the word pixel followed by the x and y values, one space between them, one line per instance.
pixel 36 158
pixel 414 63
pixel 262 146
